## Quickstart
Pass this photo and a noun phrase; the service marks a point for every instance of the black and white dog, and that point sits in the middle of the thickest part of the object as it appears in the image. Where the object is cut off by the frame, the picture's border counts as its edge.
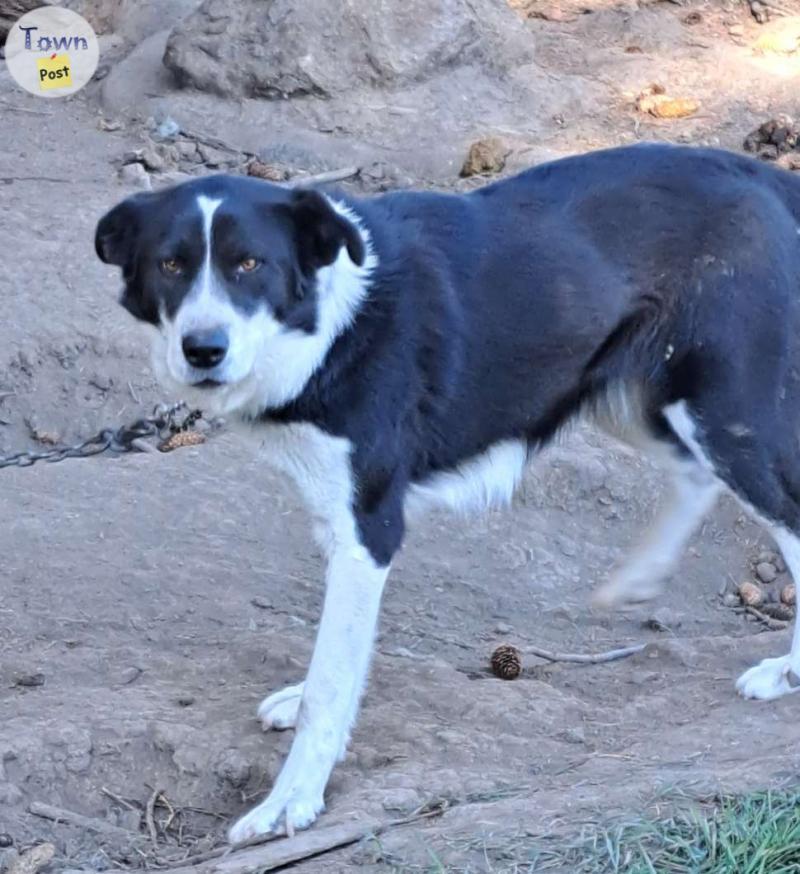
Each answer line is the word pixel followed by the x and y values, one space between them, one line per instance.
pixel 418 347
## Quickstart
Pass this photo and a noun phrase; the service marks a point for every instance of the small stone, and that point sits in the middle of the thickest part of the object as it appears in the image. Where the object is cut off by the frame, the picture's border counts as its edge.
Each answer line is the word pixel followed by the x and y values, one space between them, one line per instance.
pixel 136 175
pixel 789 595
pixel 503 628
pixel 663 619
pixel 10 794
pixel 751 594
pixel 233 768
pixel 401 800
pixel 187 150
pixel 29 681
pixel 129 675
pixel 736 30
pixel 766 571
pixel 186 700
pixel 731 600
pixel 6 840
pixel 485 156
pixel 575 735
pixel 261 603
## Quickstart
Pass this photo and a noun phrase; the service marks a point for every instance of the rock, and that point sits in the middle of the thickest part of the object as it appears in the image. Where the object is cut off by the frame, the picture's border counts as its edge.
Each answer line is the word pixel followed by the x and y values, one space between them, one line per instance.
pixel 401 800
pixel 503 628
pixel 233 768
pixel 731 600
pixel 132 20
pixel 736 30
pixel 655 102
pixel 751 594
pixel 575 735
pixel 187 149
pixel 295 48
pixel 11 10
pixel 270 172
pixel 136 175
pixel 33 860
pixel 779 37
pixel 789 595
pixel 665 619
pixel 10 794
pixel 133 81
pixel 485 156
pixel 766 571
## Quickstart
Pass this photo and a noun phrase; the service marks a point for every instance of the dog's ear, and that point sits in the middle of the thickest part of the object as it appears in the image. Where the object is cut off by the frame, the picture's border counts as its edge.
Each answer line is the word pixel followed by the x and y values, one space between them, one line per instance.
pixel 116 233
pixel 322 231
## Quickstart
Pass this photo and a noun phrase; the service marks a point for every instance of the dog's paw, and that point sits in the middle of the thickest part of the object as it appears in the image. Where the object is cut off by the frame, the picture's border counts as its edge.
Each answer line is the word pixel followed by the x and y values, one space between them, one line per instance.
pixel 769 679
pixel 279 710
pixel 280 813
pixel 621 590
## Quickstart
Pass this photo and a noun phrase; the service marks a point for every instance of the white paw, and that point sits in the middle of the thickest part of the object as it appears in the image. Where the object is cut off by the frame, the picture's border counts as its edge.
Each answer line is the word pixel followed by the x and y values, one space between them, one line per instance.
pixel 626 590
pixel 280 813
pixel 279 710
pixel 767 680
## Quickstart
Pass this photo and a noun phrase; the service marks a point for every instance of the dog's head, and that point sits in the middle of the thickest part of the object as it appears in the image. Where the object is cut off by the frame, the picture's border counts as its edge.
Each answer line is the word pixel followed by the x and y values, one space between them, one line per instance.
pixel 247 283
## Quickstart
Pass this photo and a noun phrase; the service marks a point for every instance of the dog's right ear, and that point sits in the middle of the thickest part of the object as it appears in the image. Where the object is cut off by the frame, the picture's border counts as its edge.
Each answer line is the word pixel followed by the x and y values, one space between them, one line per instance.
pixel 115 237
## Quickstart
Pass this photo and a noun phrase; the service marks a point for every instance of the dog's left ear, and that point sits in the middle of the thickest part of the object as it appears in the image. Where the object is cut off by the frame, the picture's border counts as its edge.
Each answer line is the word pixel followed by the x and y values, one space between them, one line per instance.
pixel 117 230
pixel 322 231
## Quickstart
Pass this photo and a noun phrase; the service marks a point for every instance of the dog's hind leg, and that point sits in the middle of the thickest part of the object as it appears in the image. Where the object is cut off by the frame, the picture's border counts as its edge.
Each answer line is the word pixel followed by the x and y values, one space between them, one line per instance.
pixel 694 489
pixel 774 677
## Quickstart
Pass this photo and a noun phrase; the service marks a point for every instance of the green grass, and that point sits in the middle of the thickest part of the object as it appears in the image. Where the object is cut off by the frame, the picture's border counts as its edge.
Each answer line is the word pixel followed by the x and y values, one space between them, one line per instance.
pixel 753 834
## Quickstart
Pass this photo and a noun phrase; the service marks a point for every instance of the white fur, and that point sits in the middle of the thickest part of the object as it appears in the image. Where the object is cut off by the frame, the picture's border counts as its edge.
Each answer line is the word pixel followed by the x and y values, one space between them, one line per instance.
pixel 320 465
pixel 488 480
pixel 772 678
pixel 696 491
pixel 279 710
pixel 267 365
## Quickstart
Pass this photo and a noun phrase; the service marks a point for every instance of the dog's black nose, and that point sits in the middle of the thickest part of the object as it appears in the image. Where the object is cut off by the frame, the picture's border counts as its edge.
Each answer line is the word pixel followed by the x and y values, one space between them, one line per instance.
pixel 205 349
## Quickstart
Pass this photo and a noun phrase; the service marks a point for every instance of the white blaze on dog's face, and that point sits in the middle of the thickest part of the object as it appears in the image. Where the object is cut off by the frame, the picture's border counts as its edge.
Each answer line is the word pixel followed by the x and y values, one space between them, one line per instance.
pixel 248 285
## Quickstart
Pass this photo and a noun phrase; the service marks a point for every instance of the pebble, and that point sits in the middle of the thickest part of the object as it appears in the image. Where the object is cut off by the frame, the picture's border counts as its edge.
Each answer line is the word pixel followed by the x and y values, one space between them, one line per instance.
pixel 503 628
pixel 574 735
pixel 736 30
pixel 731 600
pixel 136 175
pixel 233 768
pixel 766 571
pixel 6 840
pixel 401 800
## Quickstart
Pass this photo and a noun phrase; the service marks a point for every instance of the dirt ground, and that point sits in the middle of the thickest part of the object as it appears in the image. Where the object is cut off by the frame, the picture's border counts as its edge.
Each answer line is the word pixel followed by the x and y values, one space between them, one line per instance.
pixel 150 601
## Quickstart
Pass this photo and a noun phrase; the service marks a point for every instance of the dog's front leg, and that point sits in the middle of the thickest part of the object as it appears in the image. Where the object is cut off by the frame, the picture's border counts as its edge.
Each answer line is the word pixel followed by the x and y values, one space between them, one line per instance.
pixel 330 695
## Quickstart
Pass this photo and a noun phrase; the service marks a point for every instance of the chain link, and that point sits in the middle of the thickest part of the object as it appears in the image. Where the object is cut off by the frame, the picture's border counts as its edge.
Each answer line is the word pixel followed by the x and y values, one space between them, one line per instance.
pixel 164 421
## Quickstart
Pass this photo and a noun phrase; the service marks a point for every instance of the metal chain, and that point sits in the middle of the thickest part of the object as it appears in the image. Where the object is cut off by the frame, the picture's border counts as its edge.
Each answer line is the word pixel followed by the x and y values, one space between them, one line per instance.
pixel 163 422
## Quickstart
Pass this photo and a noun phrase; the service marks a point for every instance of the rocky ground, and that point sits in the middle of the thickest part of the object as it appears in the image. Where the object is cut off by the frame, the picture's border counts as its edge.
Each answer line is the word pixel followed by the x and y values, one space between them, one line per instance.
pixel 150 601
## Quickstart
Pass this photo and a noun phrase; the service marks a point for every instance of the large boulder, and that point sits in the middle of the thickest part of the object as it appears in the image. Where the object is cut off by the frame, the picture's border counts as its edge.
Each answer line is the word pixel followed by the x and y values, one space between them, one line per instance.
pixel 11 10
pixel 285 48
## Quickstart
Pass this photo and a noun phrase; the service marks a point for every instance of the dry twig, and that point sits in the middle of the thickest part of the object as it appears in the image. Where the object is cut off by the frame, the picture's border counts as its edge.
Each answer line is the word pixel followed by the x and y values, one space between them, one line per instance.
pixel 589 659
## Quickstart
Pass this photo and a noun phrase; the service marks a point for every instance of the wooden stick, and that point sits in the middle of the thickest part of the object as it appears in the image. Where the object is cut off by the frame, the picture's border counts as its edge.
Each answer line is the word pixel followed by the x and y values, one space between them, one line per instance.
pixel 58 814
pixel 149 816
pixel 769 621
pixel 277 853
pixel 322 178
pixel 590 659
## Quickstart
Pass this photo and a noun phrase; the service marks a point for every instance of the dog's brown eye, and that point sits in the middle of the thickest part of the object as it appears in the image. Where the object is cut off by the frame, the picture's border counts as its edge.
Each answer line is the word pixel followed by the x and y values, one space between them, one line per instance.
pixel 248 265
pixel 171 266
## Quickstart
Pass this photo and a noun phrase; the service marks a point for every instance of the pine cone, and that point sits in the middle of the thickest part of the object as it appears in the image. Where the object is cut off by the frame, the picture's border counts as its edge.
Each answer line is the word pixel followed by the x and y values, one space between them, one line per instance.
pixel 506 662
pixel 181 438
pixel 778 611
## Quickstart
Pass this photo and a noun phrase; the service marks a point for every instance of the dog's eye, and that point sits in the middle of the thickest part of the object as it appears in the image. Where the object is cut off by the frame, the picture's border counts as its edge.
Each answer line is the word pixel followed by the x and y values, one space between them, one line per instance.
pixel 171 266
pixel 247 265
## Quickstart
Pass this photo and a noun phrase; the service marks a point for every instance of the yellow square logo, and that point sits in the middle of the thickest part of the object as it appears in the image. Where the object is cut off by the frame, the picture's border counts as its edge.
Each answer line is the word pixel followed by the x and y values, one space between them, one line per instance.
pixel 54 72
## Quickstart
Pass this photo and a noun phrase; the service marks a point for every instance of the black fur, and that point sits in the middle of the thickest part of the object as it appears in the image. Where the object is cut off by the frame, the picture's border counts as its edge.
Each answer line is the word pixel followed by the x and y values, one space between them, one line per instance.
pixel 499 314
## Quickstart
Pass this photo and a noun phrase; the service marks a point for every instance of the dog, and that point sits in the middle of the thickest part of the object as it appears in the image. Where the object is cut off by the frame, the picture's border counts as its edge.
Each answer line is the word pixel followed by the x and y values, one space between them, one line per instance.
pixel 418 348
